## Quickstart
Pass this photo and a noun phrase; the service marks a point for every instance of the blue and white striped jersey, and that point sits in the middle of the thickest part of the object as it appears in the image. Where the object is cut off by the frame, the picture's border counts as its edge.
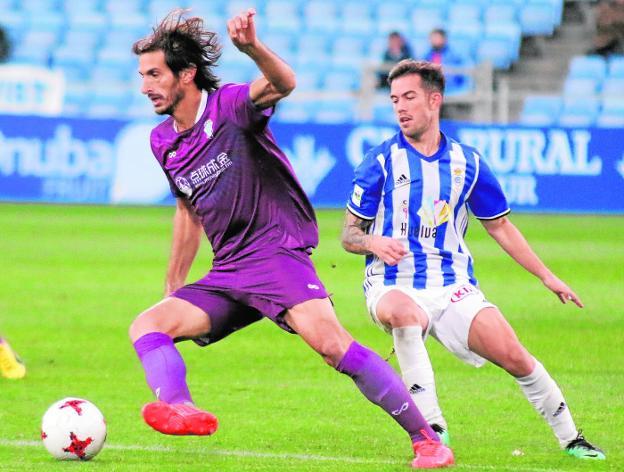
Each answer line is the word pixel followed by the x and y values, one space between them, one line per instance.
pixel 423 202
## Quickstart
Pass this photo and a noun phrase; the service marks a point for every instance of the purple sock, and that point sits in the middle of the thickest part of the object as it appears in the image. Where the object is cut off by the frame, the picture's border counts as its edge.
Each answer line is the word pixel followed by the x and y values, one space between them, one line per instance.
pixel 164 367
pixel 382 386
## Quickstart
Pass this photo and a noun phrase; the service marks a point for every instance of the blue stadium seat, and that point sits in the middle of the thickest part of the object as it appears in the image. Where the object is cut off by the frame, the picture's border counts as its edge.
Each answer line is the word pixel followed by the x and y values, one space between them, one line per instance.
pixel 76 62
pixel 342 80
pixel 426 18
pixel 87 21
pixel 613 87
pixel 293 111
pixel 579 112
pixel 580 87
pixel 53 21
pixel 81 39
pixel 39 7
pixel 108 102
pixel 321 16
pixel 421 46
pixel 236 73
pixel 158 9
pixel 35 48
pixel 115 7
pixel 15 24
pixel 235 7
pixel 616 66
pixel 537 19
pixel 498 51
pixel 472 31
pixel 348 51
pixel 312 49
pixel 281 43
pixel 383 113
pixel 336 111
pixel 356 18
pixel 541 110
pixel 308 79
pixel 500 13
pixel 588 67
pixel 464 13
pixel 283 15
pixel 612 115
pixel 77 95
pixel 506 30
pixel 81 6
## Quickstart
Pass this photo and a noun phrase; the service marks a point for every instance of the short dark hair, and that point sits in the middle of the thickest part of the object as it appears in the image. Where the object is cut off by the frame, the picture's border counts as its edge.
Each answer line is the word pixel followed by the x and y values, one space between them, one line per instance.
pixel 430 74
pixel 185 43
pixel 439 31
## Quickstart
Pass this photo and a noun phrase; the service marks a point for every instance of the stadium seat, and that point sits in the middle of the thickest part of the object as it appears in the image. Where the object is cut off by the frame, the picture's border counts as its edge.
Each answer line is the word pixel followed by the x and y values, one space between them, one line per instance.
pixel 116 7
pixel 308 79
pixel 312 49
pixel 541 110
pixel 81 6
pixel 81 39
pixel 157 9
pixel 35 48
pixel 509 31
pixel 348 51
pixel 579 112
pixel 356 18
pixel 464 13
pixel 52 21
pixel 499 51
pixel 76 97
pixel 383 113
pixel 580 87
pixel 293 111
pixel 616 66
pixel 283 16
pixel 427 18
pixel 235 7
pixel 588 67
pixel 342 80
pixel 613 87
pixel 110 101
pixel 336 111
pixel 537 19
pixel 500 13
pixel 612 115
pixel 236 73
pixel 87 21
pixel 321 16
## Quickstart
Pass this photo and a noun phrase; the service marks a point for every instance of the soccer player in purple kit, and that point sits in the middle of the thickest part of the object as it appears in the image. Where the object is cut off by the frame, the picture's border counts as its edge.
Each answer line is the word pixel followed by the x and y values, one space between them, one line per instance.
pixel 233 182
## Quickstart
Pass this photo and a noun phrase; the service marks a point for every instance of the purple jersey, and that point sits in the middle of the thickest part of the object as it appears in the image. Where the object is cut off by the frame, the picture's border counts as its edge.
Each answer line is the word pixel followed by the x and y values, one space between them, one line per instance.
pixel 239 182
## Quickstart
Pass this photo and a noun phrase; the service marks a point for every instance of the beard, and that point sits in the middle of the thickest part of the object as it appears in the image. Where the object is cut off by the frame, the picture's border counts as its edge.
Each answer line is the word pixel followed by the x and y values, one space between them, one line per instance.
pixel 178 95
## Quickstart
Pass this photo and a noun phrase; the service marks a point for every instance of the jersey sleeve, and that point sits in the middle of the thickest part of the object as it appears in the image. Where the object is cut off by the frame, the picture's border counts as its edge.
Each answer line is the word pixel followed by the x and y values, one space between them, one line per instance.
pixel 235 104
pixel 487 200
pixel 367 188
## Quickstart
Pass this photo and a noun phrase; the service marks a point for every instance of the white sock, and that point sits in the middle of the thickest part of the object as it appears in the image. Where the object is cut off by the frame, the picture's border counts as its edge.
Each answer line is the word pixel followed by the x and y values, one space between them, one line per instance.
pixel 546 397
pixel 417 372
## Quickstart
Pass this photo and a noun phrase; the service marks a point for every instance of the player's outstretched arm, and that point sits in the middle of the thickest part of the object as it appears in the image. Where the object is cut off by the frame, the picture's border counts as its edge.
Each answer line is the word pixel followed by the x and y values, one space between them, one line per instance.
pixel 513 242
pixel 356 240
pixel 278 77
pixel 187 233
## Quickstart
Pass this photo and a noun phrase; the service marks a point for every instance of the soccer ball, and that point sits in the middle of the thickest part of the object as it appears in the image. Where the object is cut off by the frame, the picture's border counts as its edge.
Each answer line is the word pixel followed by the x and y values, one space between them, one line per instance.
pixel 73 429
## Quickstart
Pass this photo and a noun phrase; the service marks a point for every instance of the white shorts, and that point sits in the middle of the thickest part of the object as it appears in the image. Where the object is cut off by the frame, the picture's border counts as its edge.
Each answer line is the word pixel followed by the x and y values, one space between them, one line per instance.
pixel 450 311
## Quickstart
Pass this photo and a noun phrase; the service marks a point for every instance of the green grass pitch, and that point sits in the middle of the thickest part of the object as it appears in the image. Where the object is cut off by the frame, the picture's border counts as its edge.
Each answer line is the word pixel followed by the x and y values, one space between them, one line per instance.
pixel 73 277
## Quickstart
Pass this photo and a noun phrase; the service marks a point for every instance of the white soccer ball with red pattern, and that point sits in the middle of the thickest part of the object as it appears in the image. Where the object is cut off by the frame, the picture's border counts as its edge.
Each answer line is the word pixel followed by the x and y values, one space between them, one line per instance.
pixel 73 429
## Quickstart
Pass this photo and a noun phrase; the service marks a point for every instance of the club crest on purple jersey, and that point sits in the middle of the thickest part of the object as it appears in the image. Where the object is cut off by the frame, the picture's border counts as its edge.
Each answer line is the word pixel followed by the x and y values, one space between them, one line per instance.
pixel 184 186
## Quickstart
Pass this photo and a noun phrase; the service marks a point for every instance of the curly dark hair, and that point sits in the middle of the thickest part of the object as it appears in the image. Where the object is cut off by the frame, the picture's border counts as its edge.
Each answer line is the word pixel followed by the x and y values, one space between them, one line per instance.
pixel 185 44
pixel 430 74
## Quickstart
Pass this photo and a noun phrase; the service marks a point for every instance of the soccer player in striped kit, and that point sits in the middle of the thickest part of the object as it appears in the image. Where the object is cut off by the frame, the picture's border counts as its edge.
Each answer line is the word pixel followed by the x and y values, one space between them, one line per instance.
pixel 408 213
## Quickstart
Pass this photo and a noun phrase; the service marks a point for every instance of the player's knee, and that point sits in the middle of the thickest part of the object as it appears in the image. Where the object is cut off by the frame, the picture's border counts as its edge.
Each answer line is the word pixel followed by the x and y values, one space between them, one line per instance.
pixel 151 321
pixel 518 362
pixel 401 316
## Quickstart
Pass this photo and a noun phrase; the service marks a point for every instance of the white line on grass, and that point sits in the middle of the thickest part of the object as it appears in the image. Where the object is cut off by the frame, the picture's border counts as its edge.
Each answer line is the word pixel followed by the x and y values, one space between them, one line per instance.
pixel 271 455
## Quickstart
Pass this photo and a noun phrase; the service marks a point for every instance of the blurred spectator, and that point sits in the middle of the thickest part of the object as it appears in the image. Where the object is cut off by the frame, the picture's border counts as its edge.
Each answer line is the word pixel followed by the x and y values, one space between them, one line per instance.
pixel 609 37
pixel 5 45
pixel 397 50
pixel 441 53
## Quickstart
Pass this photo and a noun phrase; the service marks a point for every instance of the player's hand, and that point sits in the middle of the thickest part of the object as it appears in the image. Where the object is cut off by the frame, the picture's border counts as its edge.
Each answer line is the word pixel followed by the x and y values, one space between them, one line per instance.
pixel 242 30
pixel 559 288
pixel 387 249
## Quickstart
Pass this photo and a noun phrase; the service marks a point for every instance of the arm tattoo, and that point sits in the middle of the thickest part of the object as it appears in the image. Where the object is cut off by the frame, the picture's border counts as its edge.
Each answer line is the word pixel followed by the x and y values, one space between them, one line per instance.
pixel 355 236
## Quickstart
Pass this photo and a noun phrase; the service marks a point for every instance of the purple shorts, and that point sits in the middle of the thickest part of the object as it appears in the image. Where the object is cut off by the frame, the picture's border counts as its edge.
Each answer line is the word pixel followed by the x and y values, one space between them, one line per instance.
pixel 239 294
